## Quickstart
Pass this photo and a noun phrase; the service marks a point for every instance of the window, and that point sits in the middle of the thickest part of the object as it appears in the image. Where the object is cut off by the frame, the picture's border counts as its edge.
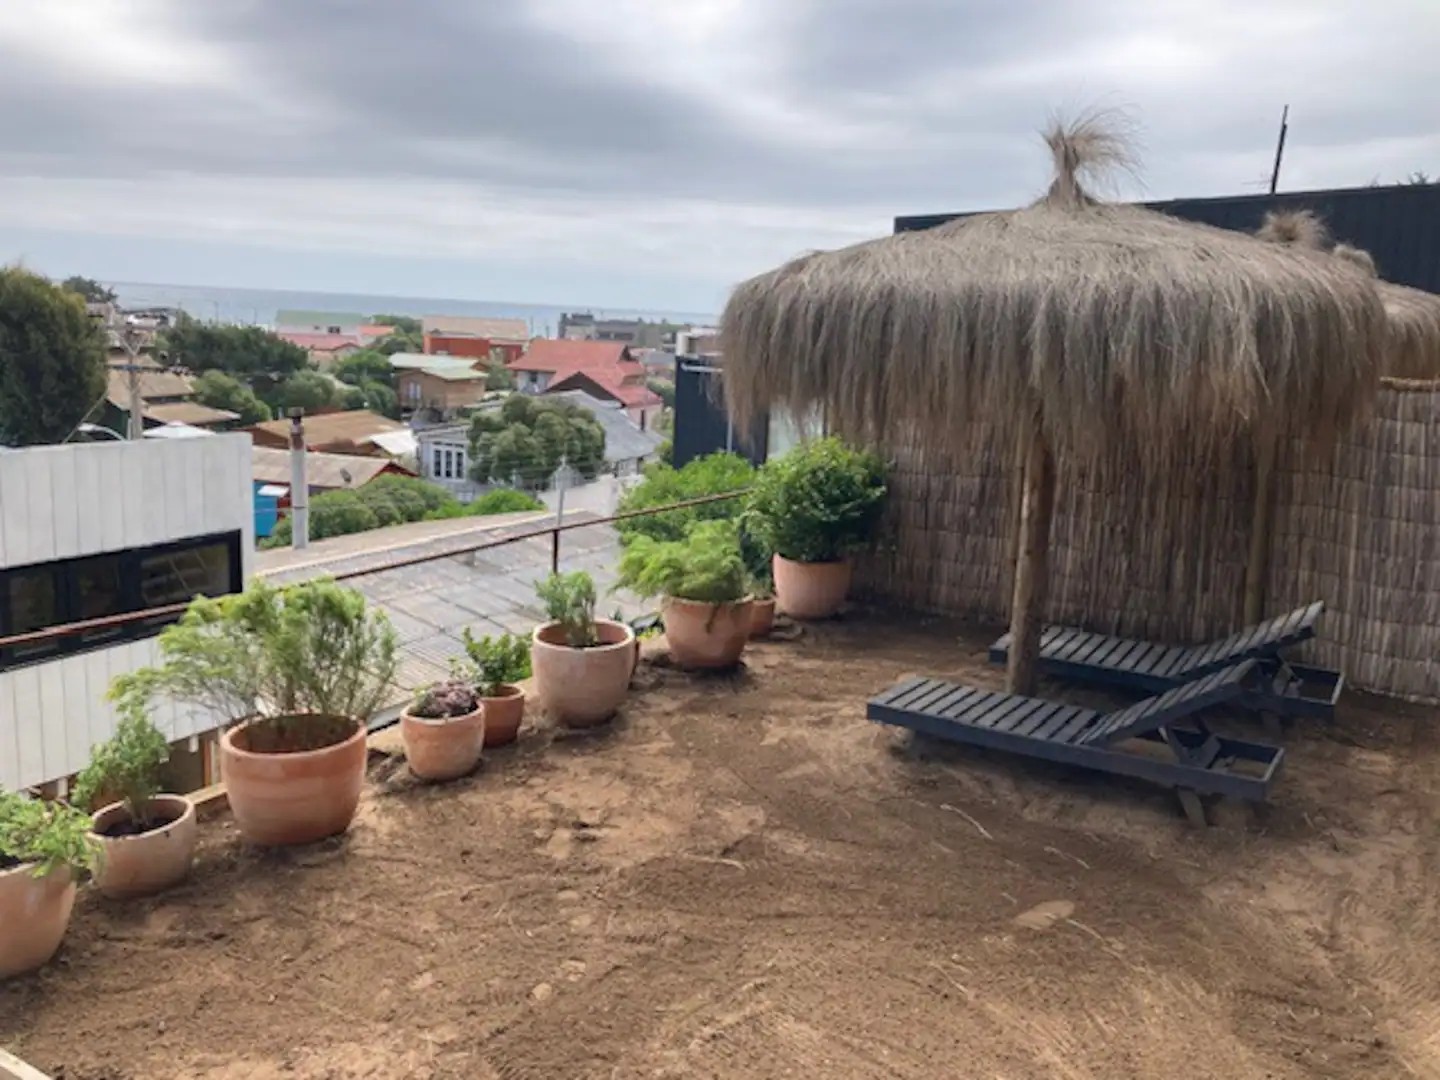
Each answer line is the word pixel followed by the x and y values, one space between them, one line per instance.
pixel 96 586
pixel 436 457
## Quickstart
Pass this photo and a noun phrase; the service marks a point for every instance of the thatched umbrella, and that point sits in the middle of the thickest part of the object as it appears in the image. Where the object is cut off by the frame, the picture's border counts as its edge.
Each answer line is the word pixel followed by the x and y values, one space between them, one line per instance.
pixel 1413 315
pixel 1087 326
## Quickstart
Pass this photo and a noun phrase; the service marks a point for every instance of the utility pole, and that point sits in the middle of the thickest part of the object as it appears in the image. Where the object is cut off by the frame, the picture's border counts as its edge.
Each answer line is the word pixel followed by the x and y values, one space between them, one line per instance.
pixel 299 484
pixel 135 424
pixel 1280 149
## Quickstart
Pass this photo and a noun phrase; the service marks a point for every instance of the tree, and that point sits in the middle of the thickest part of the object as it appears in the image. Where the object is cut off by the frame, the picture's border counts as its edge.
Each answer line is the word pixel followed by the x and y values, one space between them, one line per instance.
pixel 308 390
pixel 664 389
pixel 88 289
pixel 529 438
pixel 367 365
pixel 405 324
pixel 52 360
pixel 250 353
pixel 221 391
pixel 379 398
pixel 498 377
pixel 408 336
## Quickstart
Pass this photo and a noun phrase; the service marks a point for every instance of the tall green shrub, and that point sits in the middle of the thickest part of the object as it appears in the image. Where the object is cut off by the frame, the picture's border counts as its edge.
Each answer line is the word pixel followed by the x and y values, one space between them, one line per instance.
pixel 819 502
pixel 711 475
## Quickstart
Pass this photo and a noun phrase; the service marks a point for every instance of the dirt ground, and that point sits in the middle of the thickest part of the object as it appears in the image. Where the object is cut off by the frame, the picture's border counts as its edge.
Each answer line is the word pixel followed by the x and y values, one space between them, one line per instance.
pixel 741 877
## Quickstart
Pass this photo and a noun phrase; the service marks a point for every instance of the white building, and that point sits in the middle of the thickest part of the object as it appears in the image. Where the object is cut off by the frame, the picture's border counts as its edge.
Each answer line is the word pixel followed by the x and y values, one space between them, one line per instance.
pixel 100 529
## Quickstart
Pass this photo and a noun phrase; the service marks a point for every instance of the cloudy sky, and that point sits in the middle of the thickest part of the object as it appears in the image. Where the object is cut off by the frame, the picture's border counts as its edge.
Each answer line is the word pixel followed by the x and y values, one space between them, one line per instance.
pixel 642 153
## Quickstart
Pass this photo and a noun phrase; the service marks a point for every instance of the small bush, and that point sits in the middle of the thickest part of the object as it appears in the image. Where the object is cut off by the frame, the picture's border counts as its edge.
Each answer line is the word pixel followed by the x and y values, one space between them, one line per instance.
pixel 504 501
pixel 818 502
pixel 705 566
pixel 127 767
pixel 49 834
pixel 495 661
pixel 569 600
pixel 712 475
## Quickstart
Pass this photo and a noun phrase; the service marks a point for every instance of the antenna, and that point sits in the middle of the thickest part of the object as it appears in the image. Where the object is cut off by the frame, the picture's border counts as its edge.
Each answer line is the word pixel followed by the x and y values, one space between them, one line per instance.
pixel 1280 149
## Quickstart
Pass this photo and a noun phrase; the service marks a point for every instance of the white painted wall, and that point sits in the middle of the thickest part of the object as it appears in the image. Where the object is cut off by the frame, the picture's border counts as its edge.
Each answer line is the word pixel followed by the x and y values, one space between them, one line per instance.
pixel 60 502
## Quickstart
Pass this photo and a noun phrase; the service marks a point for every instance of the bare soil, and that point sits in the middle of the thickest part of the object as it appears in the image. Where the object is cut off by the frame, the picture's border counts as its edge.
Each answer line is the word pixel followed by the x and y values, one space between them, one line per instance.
pixel 741 877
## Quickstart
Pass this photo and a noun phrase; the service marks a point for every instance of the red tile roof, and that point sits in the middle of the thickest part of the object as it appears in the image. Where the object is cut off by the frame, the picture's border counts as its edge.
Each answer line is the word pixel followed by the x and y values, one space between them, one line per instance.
pixel 629 392
pixel 319 342
pixel 547 354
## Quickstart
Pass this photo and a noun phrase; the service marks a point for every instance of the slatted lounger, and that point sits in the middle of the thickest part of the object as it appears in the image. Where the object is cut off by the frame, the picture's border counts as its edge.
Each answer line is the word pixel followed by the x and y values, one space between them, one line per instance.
pixel 1285 689
pixel 1198 762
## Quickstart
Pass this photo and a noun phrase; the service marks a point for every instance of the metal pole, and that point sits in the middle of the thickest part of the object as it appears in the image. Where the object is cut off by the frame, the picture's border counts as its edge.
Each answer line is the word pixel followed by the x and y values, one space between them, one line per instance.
pixel 135 424
pixel 299 484
pixel 562 481
pixel 1280 149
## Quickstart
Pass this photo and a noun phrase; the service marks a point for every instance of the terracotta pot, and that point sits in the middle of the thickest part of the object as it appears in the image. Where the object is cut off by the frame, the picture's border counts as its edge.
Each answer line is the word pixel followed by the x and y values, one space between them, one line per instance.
pixel 503 715
pixel 34 913
pixel 150 861
pixel 704 635
pixel 811 590
pixel 292 797
pixel 444 748
pixel 762 616
pixel 582 687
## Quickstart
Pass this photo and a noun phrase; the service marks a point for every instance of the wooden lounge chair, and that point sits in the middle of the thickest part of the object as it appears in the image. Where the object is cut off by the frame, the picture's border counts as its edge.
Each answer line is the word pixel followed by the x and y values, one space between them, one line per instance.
pixel 1285 689
pixel 1194 762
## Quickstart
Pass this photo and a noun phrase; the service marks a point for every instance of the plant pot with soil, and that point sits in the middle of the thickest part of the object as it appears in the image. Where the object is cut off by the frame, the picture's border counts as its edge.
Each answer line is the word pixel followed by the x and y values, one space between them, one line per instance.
pixel 300 669
pixel 495 665
pixel 813 507
pixel 702 582
pixel 147 838
pixel 582 664
pixel 45 849
pixel 444 731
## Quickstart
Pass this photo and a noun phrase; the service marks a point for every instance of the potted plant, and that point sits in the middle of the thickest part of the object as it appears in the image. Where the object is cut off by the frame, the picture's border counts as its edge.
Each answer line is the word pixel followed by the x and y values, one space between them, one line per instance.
pixel 45 848
pixel 443 731
pixel 582 664
pixel 812 508
pixel 297 670
pixel 496 665
pixel 702 582
pixel 759 566
pixel 147 839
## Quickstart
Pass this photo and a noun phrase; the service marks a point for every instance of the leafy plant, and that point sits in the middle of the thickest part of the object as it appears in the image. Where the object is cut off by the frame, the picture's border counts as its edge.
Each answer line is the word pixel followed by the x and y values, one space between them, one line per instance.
pixel 49 834
pixel 128 767
pixel 714 474
pixel 818 502
pixel 706 566
pixel 757 555
pixel 504 501
pixel 569 600
pixel 274 652
pixel 454 697
pixel 495 661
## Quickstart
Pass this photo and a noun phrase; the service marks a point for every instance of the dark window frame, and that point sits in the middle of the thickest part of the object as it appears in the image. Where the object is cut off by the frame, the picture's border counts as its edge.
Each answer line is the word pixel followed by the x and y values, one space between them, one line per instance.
pixel 63 572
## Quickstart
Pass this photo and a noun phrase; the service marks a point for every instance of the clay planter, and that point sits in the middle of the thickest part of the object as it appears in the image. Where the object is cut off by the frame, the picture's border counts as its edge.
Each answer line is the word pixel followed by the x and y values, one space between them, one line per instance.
pixel 137 864
pixel 292 796
pixel 762 616
pixel 443 748
pixel 582 687
pixel 503 715
pixel 706 636
pixel 34 913
pixel 811 590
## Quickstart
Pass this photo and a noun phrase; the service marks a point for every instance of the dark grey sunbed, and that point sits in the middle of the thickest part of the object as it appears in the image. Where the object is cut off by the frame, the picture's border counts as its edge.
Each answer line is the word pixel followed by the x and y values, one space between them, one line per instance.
pixel 1195 762
pixel 1285 688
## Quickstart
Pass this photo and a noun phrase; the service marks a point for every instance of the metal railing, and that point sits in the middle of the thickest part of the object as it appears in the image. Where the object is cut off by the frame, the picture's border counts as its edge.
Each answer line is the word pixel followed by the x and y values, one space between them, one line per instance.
pixel 65 630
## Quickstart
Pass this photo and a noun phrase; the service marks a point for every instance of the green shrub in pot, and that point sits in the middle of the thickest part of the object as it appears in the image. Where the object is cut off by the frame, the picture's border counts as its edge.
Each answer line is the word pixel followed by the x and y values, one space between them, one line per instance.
pixel 495 665
pixel 582 664
pixel 45 848
pixel 813 507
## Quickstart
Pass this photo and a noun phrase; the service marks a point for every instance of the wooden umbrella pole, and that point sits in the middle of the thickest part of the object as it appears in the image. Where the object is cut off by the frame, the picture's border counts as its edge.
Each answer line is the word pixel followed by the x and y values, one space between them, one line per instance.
pixel 1257 566
pixel 1032 568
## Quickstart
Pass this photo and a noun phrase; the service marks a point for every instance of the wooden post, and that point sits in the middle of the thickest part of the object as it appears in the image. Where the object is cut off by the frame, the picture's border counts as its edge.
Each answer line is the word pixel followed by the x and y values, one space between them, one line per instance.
pixel 1032 568
pixel 1257 565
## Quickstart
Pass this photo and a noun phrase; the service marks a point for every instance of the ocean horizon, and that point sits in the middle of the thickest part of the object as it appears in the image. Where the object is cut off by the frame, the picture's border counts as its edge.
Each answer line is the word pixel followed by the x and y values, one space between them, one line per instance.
pixel 259 306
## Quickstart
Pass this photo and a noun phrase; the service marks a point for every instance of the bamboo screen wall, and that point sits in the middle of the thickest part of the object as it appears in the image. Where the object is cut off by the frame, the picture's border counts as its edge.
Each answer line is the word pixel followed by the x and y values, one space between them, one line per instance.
pixel 1357 527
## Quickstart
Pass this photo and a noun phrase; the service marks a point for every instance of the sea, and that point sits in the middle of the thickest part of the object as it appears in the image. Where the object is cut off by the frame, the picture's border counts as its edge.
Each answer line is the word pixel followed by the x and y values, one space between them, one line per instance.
pixel 258 307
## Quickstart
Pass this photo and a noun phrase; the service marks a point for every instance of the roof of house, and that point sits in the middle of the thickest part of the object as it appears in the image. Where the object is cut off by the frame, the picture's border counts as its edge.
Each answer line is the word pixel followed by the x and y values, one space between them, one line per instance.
pixel 492 329
pixel 188 412
pixel 322 470
pixel 154 384
pixel 300 317
pixel 356 427
pixel 371 331
pixel 449 368
pixel 320 342
pixel 633 395
pixel 548 354
pixel 176 431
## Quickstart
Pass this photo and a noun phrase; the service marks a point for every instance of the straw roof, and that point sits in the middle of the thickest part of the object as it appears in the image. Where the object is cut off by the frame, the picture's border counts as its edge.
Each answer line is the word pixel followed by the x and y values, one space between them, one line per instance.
pixel 1413 315
pixel 1099 319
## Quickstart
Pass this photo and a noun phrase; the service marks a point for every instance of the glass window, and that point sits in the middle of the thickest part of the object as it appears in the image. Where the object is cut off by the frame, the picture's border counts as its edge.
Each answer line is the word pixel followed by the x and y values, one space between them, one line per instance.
pixel 98 589
pixel 34 605
pixel 435 460
pixel 178 576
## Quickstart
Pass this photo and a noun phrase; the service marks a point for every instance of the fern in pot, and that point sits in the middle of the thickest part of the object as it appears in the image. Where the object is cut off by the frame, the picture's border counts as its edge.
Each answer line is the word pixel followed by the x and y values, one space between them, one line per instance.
pixel 495 665
pixel 813 508
pixel 297 671
pixel 45 849
pixel 703 586
pixel 443 730
pixel 147 837
pixel 582 664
